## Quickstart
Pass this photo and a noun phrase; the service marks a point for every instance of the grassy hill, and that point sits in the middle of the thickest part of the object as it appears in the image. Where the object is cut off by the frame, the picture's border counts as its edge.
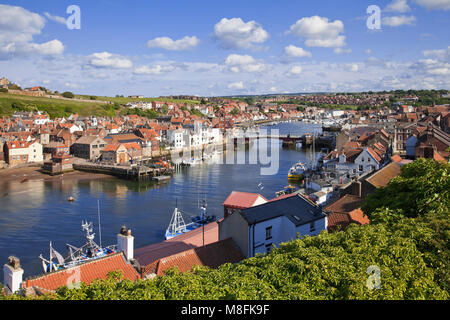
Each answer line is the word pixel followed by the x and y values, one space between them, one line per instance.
pixel 10 103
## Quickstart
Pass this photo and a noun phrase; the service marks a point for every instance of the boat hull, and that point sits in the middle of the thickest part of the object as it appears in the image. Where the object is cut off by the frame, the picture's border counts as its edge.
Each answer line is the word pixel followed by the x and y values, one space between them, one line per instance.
pixel 296 177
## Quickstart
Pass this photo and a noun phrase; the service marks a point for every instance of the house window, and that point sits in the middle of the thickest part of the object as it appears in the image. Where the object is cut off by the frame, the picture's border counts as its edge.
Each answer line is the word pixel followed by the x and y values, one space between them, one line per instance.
pixel 312 226
pixel 268 233
pixel 361 168
pixel 368 159
pixel 269 247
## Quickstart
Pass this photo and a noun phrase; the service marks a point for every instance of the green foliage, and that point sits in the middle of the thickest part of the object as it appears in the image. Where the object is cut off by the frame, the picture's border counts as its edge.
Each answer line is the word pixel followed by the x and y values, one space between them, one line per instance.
pixel 235 111
pixel 422 187
pixel 4 90
pixel 68 94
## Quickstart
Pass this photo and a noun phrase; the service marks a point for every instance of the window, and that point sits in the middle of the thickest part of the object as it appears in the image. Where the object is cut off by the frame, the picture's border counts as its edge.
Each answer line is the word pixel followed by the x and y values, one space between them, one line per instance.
pixel 312 226
pixel 368 159
pixel 95 146
pixel 269 247
pixel 361 168
pixel 268 233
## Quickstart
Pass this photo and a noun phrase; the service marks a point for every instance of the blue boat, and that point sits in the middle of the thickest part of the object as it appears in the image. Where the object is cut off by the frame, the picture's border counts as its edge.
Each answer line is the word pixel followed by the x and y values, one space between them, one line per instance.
pixel 178 227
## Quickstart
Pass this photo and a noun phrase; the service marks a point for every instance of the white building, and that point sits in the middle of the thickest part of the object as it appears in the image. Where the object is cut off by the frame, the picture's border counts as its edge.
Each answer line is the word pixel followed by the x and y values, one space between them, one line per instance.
pixel 257 229
pixel 175 138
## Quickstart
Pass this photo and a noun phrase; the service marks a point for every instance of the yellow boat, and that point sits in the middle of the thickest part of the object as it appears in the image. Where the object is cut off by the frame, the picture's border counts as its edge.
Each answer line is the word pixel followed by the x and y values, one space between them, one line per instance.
pixel 297 172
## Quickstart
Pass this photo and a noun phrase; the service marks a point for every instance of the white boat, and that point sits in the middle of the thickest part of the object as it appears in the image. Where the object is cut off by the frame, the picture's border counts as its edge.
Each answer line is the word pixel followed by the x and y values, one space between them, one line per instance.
pixel 88 252
pixel 192 162
pixel 297 172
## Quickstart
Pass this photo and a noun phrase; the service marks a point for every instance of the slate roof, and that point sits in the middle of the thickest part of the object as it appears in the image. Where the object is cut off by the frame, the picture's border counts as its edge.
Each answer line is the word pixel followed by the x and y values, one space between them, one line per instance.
pixel 297 209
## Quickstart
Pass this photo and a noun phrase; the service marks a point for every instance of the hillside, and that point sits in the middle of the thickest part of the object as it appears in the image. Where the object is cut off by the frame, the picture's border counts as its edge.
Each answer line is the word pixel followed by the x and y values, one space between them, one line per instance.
pixel 9 103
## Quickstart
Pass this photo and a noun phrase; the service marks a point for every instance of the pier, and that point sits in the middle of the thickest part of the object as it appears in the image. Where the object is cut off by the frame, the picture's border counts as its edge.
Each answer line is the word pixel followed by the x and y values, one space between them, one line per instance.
pixel 138 173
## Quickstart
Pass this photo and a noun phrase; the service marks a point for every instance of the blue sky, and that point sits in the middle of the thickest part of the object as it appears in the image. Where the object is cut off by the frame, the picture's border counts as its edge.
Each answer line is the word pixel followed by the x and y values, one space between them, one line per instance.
pixel 226 47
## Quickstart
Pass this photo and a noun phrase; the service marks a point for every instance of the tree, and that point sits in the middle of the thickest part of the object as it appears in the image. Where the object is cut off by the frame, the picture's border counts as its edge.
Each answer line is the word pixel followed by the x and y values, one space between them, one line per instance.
pixel 235 111
pixel 68 95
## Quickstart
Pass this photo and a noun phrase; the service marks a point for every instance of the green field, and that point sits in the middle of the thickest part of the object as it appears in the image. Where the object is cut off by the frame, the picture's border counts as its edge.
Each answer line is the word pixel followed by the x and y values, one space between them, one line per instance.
pixel 10 103
pixel 125 100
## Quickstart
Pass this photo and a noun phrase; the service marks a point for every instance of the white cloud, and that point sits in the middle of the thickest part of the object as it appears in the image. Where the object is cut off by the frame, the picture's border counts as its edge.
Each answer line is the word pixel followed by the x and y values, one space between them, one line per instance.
pixel 293 51
pixel 368 51
pixel 109 60
pixel 295 70
pixel 398 6
pixel 443 54
pixel 434 4
pixel 174 45
pixel 236 34
pixel 18 26
pixel 341 50
pixel 157 69
pixel 318 32
pixel 58 19
pixel 353 67
pixel 236 85
pixel 396 21
pixel 238 63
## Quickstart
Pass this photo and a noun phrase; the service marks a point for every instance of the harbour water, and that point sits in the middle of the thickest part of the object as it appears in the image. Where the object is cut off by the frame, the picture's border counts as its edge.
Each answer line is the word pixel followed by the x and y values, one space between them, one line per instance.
pixel 36 212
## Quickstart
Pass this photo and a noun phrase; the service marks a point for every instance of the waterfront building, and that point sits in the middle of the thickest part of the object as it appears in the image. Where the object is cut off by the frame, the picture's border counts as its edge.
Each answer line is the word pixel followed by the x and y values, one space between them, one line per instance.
pixel 21 152
pixel 88 147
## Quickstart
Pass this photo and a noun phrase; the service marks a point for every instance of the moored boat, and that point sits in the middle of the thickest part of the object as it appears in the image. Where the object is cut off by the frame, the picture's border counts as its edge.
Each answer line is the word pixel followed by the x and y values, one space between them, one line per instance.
pixel 297 172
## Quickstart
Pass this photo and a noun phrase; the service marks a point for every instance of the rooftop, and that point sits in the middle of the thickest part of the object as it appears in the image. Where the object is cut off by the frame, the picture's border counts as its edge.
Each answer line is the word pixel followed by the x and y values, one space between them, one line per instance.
pixel 382 177
pixel 193 239
pixel 212 255
pixel 297 209
pixel 243 200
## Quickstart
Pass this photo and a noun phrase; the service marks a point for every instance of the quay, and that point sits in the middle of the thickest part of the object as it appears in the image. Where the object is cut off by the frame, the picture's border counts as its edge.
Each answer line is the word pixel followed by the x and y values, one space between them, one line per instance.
pixel 138 173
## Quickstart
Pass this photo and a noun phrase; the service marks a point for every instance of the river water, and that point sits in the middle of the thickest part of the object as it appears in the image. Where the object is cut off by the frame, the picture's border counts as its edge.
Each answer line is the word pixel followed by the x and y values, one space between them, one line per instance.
pixel 36 212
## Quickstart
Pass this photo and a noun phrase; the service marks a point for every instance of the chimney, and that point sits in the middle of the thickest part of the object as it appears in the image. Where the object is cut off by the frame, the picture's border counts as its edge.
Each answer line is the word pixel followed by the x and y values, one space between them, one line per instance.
pixel 12 275
pixel 125 243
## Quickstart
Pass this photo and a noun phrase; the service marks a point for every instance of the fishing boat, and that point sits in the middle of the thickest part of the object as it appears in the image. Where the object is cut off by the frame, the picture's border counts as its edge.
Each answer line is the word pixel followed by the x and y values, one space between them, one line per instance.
pixel 88 252
pixel 178 226
pixel 297 172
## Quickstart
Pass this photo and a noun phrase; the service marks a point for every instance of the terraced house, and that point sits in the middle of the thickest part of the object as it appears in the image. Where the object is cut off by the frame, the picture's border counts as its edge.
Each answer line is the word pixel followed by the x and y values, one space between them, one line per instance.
pixel 21 152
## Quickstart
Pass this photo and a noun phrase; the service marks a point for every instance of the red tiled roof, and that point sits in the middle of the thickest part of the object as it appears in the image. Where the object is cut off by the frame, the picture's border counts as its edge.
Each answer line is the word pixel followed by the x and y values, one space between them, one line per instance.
pixel 112 147
pixel 345 204
pixel 396 158
pixel 88 272
pixel 212 255
pixel 374 154
pixel 192 239
pixel 382 177
pixel 242 200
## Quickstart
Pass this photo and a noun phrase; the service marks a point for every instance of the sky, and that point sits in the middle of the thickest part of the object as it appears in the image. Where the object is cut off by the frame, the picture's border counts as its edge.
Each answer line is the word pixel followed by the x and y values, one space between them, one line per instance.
pixel 232 47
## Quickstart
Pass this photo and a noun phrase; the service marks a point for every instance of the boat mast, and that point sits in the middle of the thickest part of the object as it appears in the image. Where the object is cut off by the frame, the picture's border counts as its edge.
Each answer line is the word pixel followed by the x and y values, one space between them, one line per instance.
pixel 99 228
